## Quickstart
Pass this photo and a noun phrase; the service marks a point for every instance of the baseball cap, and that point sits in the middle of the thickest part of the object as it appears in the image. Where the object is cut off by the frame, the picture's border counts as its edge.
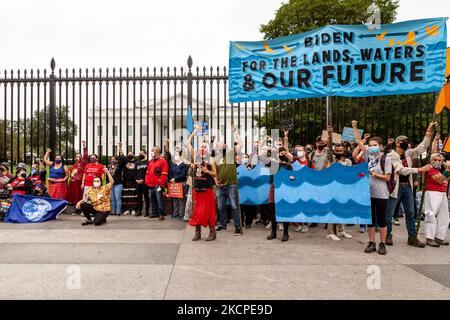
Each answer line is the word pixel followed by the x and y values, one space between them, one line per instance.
pixel 401 138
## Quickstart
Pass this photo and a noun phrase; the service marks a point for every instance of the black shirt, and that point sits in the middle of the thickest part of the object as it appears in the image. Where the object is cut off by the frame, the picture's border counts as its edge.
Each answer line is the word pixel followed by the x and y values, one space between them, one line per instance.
pixel 404 179
pixel 129 171
pixel 204 181
pixel 141 169
pixel 117 171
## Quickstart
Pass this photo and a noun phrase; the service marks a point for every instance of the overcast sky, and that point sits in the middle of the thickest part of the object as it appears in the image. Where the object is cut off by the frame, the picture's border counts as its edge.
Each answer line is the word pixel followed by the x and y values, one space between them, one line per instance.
pixel 133 33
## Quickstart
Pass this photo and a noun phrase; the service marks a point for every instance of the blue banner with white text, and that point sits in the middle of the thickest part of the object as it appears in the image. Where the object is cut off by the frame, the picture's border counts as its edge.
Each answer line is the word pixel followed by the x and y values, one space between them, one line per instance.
pixel 341 60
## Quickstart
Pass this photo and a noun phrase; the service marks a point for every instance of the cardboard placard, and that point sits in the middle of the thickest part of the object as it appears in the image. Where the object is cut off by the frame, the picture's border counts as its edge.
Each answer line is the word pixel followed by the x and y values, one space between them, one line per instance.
pixel 337 138
pixel 349 136
pixel 175 190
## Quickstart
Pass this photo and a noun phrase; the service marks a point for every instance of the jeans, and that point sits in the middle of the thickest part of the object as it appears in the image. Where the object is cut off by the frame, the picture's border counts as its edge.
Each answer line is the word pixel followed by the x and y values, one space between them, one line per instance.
pixel 179 205
pixel 405 196
pixel 222 194
pixel 156 201
pixel 116 199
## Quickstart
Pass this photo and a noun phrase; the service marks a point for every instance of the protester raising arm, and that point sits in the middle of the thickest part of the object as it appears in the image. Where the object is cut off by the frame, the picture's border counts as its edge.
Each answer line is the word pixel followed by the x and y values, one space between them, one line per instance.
pixel 47 157
pixel 189 144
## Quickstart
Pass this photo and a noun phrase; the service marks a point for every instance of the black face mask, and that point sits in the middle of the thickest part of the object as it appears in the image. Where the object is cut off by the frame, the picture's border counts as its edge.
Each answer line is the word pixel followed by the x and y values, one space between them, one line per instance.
pixel 141 156
pixel 404 146
pixel 320 147
pixel 284 158
pixel 130 157
pixel 338 155
pixel 23 175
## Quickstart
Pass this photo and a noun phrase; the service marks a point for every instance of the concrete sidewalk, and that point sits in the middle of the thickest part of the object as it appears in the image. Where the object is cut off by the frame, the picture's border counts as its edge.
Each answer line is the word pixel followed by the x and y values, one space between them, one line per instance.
pixel 138 258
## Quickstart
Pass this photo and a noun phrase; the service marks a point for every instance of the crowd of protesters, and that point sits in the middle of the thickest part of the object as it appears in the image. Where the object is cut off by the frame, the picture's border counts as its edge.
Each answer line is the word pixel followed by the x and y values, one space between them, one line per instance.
pixel 207 181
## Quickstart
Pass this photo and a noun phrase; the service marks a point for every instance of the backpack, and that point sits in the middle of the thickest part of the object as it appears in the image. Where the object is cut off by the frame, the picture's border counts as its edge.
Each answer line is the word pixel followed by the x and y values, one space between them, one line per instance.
pixel 391 182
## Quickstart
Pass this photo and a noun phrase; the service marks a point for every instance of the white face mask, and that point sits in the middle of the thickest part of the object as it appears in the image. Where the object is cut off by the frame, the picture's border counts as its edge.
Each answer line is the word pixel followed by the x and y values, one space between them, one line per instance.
pixel 244 161
pixel 300 154
pixel 436 165
pixel 177 158
pixel 152 154
pixel 97 184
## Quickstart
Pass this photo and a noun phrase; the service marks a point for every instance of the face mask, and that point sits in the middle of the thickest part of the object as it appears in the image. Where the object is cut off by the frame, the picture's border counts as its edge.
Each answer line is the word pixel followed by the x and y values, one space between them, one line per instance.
pixel 203 153
pixel 142 157
pixel 338 155
pixel 130 157
pixel 23 175
pixel 97 184
pixel 436 165
pixel 284 158
pixel 300 154
pixel 93 160
pixel 320 147
pixel 374 150
pixel 33 172
pixel 113 162
pixel 244 161
pixel 152 154
pixel 177 158
pixel 404 146
pixel 58 161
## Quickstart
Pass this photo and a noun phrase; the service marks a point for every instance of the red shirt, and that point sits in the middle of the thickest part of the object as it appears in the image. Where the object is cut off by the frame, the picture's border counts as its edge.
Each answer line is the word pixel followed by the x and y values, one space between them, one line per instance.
pixel 305 163
pixel 91 171
pixel 432 185
pixel 157 171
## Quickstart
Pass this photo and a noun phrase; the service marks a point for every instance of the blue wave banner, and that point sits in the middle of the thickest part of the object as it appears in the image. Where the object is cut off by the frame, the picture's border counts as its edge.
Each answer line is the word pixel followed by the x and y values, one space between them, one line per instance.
pixel 338 194
pixel 341 60
pixel 254 184
pixel 29 209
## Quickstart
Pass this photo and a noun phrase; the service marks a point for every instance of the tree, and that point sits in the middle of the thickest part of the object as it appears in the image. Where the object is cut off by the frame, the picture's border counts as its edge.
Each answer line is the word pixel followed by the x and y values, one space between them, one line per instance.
pixel 299 16
pixel 32 138
pixel 411 113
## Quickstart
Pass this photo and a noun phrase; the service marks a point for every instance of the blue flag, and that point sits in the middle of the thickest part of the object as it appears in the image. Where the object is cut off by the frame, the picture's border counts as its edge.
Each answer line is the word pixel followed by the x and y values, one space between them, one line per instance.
pixel 29 209
pixel 189 121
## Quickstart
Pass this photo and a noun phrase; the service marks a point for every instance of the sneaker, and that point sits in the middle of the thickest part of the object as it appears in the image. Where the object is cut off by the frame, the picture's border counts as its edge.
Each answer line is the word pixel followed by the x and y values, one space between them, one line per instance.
pixel 333 237
pixel 280 227
pixel 302 228
pixel 396 222
pixel 269 226
pixel 87 222
pixel 285 237
pixel 220 228
pixel 345 235
pixel 389 241
pixel 133 213
pixel 272 236
pixel 126 213
pixel 432 243
pixel 362 229
pixel 441 242
pixel 371 247
pixel 237 231
pixel 382 248
pixel 418 244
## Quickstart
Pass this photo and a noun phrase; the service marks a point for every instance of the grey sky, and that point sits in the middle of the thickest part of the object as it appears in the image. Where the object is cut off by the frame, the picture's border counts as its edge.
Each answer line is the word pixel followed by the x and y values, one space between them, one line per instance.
pixel 133 33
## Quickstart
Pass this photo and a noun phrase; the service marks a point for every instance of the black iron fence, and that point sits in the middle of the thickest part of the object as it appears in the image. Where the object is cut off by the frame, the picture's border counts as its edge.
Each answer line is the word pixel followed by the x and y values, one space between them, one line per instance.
pixel 141 107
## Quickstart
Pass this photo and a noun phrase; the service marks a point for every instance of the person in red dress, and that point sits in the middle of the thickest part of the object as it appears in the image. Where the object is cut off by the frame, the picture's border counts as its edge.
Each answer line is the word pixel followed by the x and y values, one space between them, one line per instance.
pixel 204 204
pixel 74 190
pixel 59 172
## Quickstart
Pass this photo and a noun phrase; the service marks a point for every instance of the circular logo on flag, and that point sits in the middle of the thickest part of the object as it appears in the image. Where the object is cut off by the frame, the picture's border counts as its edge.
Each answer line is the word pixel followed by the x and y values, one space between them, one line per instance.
pixel 35 209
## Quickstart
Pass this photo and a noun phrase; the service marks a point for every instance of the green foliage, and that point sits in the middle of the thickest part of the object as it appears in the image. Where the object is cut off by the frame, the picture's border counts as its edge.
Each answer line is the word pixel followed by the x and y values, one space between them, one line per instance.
pixel 297 16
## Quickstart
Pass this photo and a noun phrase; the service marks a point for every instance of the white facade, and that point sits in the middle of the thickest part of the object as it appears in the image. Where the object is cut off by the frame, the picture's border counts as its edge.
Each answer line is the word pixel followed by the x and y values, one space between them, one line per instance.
pixel 170 123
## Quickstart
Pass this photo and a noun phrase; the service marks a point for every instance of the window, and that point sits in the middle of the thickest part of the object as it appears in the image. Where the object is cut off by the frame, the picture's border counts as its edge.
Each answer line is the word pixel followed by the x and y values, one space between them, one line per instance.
pixel 99 130
pixel 130 131
pixel 144 130
pixel 115 131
